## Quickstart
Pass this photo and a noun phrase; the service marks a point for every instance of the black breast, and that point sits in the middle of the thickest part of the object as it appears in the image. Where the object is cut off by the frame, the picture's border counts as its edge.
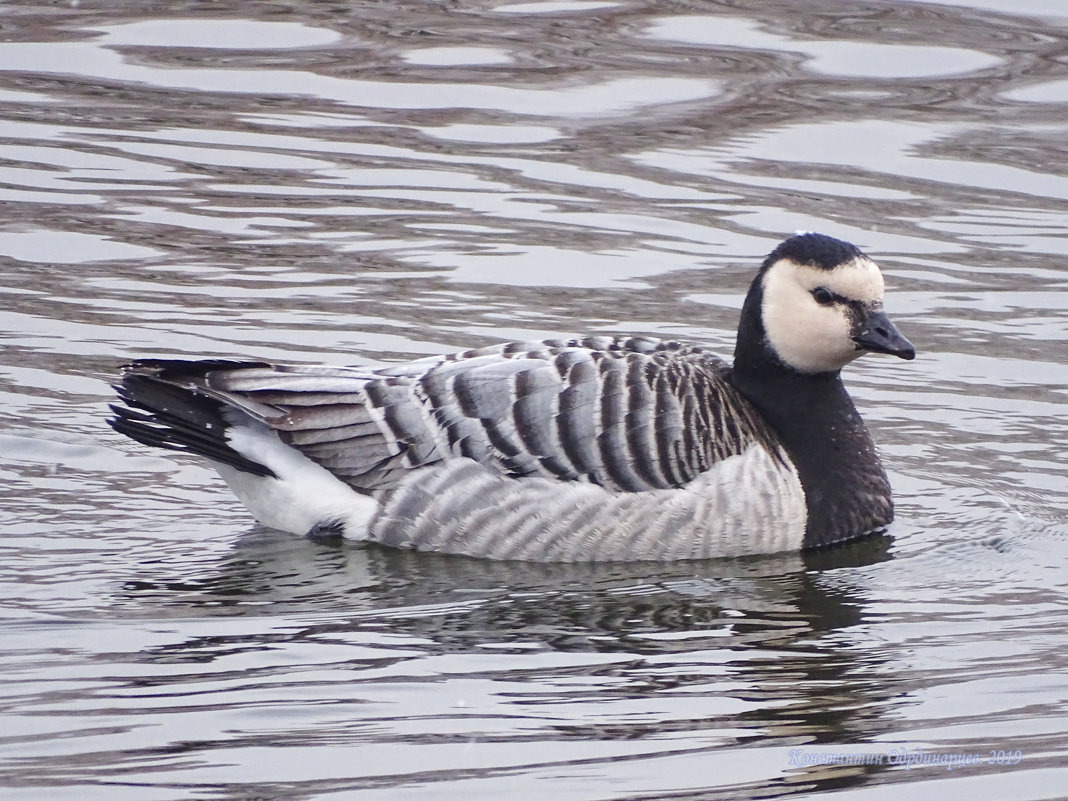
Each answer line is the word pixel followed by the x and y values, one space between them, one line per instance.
pixel 846 489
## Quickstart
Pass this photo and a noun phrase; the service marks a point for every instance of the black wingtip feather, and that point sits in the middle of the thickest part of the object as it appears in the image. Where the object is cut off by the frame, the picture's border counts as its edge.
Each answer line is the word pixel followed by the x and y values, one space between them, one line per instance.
pixel 177 369
pixel 161 413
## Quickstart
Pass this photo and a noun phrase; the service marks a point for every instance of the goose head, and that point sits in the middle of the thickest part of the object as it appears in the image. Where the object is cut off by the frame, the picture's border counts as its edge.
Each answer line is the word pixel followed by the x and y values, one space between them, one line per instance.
pixel 815 306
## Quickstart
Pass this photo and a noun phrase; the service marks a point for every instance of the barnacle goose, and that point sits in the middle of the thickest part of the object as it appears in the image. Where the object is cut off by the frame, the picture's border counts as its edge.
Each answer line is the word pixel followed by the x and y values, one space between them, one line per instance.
pixel 601 448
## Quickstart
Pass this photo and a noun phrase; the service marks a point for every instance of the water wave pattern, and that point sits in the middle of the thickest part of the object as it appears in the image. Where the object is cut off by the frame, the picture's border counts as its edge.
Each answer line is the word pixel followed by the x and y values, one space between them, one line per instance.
pixel 374 183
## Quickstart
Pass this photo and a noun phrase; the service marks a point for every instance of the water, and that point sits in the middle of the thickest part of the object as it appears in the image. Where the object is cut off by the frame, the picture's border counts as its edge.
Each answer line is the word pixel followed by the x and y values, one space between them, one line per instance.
pixel 374 182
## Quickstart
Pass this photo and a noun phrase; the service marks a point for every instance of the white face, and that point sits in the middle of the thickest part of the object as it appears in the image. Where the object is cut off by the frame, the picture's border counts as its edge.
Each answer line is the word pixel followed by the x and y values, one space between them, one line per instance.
pixel 810 336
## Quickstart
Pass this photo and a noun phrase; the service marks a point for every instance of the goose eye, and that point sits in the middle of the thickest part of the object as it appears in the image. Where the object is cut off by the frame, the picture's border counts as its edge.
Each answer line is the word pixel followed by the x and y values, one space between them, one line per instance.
pixel 823 296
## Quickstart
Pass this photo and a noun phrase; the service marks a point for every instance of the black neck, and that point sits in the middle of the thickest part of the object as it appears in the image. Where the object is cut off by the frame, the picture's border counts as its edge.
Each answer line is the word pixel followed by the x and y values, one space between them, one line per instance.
pixel 846 489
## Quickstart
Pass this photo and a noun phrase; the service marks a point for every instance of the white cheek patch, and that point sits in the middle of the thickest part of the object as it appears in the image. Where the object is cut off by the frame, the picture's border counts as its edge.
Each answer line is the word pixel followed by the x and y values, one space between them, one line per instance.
pixel 805 335
pixel 859 279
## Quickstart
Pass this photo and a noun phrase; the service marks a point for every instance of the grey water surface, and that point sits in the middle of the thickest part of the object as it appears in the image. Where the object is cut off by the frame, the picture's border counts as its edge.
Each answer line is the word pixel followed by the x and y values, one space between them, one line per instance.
pixel 370 182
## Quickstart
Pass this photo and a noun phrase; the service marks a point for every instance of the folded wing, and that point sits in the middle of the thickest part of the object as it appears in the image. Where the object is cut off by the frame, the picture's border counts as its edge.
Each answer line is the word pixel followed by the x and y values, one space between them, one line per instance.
pixel 628 415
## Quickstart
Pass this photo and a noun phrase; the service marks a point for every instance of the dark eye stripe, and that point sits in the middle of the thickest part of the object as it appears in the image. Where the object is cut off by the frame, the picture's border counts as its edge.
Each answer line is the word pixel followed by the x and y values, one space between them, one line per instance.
pixel 824 296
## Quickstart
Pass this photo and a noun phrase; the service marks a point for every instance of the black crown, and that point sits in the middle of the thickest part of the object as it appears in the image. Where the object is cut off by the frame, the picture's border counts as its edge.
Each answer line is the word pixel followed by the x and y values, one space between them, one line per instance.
pixel 815 250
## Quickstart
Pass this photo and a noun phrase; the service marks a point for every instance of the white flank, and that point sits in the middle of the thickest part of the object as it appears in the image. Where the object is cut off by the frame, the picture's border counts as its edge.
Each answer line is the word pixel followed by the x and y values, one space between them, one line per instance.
pixel 303 496
pixel 751 503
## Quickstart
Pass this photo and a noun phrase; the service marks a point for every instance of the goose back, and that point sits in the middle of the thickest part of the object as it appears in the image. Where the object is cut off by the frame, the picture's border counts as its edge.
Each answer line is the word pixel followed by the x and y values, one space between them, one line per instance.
pixel 594 448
